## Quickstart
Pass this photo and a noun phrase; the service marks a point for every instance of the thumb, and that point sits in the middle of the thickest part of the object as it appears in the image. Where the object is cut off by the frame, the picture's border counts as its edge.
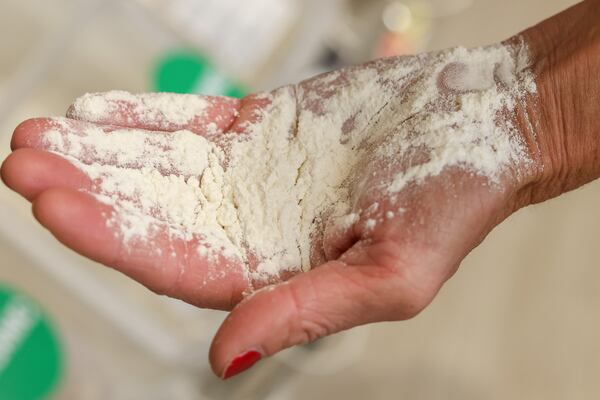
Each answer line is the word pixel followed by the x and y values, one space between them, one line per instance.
pixel 328 299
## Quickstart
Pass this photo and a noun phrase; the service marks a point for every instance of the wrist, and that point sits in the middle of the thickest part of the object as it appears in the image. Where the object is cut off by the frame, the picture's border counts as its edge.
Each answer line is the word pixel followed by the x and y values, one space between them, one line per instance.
pixel 561 126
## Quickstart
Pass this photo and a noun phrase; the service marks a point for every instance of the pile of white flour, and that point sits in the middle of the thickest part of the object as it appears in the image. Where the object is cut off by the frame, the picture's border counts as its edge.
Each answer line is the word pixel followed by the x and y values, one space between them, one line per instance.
pixel 262 194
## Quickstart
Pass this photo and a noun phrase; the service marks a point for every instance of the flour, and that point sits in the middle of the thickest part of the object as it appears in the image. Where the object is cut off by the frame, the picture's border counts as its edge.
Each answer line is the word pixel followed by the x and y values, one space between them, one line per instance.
pixel 179 109
pixel 468 132
pixel 264 195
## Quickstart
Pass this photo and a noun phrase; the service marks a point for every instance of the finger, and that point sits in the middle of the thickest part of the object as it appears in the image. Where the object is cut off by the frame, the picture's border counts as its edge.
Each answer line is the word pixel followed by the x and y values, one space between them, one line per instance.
pixel 326 300
pixel 86 143
pixel 29 172
pixel 40 133
pixel 204 115
pixel 165 264
pixel 30 133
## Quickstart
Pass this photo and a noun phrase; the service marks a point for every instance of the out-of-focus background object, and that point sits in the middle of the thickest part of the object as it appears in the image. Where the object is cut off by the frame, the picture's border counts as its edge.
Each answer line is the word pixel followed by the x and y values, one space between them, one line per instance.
pixel 518 321
pixel 30 352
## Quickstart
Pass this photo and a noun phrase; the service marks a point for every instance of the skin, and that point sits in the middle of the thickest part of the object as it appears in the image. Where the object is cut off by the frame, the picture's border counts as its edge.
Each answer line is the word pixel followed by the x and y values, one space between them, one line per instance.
pixel 363 275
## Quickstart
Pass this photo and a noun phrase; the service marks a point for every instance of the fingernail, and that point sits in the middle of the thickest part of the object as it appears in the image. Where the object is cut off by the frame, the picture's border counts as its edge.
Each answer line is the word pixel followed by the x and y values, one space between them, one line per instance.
pixel 241 363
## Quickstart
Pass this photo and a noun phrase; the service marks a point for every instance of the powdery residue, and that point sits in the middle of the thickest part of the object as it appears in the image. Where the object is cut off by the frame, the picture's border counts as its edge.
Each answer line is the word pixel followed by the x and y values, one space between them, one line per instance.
pixel 263 197
pixel 169 108
pixel 481 84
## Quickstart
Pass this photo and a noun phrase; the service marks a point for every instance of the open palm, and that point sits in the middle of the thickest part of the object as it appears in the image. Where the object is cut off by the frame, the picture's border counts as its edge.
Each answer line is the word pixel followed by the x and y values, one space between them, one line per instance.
pixel 385 261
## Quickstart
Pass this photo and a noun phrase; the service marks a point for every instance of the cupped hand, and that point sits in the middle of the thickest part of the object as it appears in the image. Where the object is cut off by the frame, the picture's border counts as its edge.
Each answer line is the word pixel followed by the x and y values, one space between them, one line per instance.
pixel 385 261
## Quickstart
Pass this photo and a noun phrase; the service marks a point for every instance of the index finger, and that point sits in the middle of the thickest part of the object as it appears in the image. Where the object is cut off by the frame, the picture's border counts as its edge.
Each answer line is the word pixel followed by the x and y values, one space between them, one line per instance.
pixel 170 112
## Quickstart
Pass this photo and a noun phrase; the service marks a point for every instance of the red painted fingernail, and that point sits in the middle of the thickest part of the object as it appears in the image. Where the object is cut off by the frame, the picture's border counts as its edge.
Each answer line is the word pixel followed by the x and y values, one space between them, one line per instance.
pixel 241 363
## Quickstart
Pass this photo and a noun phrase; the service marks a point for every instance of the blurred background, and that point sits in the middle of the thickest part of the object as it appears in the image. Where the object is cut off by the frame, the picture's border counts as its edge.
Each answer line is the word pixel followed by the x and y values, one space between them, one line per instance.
pixel 518 321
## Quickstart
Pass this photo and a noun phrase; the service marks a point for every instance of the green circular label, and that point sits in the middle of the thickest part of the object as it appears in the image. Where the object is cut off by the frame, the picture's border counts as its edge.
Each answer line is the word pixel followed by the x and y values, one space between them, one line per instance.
pixel 187 72
pixel 30 354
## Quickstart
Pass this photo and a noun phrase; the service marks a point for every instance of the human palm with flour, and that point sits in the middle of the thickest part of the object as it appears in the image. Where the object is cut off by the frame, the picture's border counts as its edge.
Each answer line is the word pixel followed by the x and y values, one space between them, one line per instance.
pixel 347 199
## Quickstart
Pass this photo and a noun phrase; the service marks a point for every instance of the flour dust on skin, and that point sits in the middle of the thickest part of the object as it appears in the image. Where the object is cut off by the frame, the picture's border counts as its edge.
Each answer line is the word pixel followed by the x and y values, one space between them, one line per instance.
pixel 262 196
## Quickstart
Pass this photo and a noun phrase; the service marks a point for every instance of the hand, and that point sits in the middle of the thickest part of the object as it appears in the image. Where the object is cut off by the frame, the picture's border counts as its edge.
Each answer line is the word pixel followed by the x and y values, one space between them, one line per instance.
pixel 387 264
